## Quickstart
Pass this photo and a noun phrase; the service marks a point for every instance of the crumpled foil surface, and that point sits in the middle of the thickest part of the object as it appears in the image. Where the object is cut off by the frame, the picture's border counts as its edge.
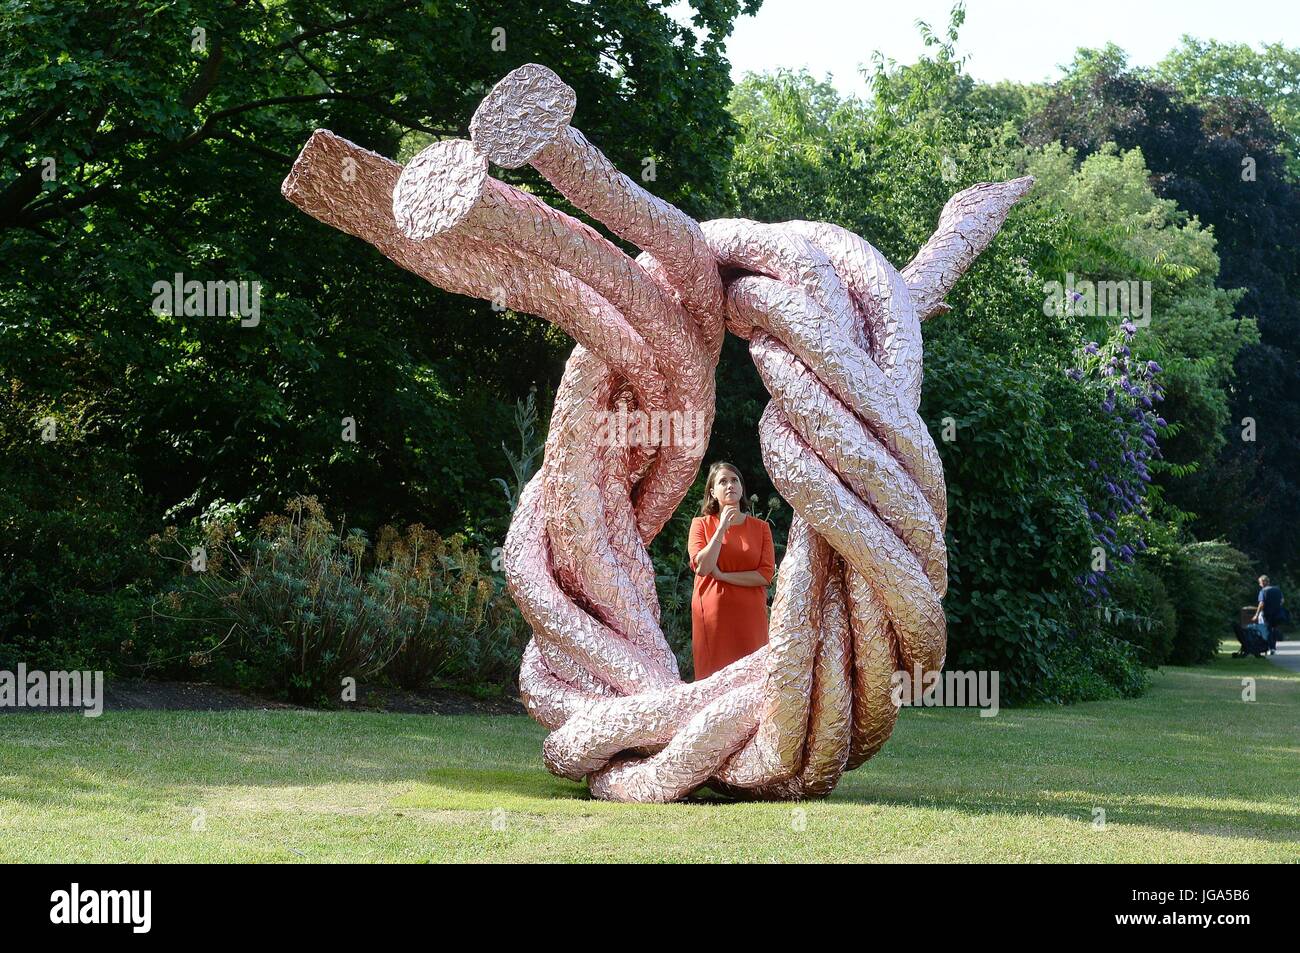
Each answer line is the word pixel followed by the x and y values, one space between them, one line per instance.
pixel 834 330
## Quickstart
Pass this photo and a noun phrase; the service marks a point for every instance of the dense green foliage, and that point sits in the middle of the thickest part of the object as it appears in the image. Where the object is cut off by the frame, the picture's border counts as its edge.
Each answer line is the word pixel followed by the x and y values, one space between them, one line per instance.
pixel 1044 483
pixel 309 608
pixel 1223 160
pixel 1099 486
pixel 75 575
pixel 168 148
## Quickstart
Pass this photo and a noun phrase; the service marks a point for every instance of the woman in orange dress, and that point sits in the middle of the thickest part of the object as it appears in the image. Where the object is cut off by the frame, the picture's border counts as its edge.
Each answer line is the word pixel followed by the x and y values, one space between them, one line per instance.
pixel 734 562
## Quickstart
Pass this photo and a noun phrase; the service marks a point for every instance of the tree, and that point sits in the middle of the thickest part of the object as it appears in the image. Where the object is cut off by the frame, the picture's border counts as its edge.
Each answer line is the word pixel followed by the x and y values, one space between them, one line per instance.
pixel 170 128
pixel 1019 535
pixel 1198 156
pixel 139 141
pixel 1209 70
pixel 1122 231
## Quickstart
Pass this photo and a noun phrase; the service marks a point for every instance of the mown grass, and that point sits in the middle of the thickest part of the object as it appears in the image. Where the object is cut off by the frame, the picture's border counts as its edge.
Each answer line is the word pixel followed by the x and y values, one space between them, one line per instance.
pixel 1190 772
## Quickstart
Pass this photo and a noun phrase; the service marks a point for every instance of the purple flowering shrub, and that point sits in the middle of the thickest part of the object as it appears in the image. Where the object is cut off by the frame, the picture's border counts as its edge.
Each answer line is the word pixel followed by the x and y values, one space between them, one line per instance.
pixel 1017 535
pixel 1123 447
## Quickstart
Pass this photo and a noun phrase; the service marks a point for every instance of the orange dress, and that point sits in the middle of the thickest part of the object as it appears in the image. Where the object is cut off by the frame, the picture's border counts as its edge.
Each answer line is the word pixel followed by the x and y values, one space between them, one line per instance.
pixel 729 621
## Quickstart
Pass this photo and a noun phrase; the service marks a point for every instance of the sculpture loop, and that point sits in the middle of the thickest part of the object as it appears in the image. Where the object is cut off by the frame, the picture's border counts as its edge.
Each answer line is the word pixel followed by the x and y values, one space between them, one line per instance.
pixel 834 330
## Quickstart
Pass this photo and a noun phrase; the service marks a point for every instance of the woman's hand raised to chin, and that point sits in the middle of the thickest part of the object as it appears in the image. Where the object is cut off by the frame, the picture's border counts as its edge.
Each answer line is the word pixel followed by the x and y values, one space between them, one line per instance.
pixel 730 516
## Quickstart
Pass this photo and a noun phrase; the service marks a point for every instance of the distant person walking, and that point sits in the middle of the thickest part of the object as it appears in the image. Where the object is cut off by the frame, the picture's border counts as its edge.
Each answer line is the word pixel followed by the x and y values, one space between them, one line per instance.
pixel 1270 611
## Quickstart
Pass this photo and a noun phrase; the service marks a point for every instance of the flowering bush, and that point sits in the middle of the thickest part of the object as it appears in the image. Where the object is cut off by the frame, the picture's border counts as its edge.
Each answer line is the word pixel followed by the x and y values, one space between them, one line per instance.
pixel 1179 601
pixel 1017 535
pixel 1115 490
pixel 311 607
pixel 459 623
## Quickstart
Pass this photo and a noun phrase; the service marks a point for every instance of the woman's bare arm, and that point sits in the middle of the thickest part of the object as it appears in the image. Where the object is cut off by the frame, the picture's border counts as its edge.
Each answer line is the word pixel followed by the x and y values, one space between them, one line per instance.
pixel 706 560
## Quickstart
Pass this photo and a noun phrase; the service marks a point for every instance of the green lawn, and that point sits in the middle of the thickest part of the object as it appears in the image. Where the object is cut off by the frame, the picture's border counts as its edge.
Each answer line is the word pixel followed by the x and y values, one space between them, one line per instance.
pixel 1188 773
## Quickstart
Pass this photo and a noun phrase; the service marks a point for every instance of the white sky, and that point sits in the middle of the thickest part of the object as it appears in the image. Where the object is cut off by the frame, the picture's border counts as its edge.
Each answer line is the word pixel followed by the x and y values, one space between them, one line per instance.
pixel 1023 41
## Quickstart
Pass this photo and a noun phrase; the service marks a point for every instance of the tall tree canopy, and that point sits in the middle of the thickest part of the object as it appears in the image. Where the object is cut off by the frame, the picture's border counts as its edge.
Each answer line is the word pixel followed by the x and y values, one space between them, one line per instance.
pixel 142 140
pixel 1206 70
pixel 1222 161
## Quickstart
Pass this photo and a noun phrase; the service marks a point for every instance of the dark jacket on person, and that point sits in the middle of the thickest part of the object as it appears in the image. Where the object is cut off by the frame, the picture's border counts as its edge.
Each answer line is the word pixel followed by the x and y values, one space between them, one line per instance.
pixel 1271 596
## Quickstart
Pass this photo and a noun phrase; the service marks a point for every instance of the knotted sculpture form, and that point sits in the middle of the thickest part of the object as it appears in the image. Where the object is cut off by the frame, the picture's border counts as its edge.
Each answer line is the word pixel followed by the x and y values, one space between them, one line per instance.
pixel 834 330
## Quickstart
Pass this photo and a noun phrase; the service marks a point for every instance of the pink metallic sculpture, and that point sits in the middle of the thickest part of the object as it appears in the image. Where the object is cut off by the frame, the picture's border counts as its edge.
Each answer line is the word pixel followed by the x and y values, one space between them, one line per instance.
pixel 834 329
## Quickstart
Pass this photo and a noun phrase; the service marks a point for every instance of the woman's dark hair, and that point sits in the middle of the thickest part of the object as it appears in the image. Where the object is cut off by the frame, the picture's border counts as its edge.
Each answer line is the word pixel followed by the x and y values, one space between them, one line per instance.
pixel 709 506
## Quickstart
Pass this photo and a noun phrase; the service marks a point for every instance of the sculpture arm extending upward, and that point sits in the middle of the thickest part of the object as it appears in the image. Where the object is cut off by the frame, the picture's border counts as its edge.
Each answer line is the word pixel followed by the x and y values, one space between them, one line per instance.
pixel 969 222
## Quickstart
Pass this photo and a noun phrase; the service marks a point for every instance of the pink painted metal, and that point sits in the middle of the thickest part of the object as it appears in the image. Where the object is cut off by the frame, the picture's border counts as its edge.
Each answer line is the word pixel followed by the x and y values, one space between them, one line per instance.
pixel 834 330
